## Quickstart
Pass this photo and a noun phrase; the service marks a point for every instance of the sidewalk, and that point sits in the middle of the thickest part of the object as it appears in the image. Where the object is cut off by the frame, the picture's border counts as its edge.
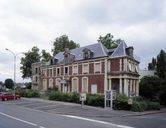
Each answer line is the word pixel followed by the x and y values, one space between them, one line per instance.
pixel 89 111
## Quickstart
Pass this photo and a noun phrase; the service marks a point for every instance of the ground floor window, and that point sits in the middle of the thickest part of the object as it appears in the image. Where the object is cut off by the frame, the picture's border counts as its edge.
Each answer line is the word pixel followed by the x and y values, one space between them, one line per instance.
pixel 75 85
pixel 85 84
pixel 93 89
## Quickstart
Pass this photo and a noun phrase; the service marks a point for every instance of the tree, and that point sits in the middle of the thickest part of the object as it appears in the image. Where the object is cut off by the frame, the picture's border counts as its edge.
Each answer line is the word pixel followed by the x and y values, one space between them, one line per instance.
pixel 108 41
pixel 161 64
pixel 149 87
pixel 63 42
pixel 152 65
pixel 45 56
pixel 30 57
pixel 9 83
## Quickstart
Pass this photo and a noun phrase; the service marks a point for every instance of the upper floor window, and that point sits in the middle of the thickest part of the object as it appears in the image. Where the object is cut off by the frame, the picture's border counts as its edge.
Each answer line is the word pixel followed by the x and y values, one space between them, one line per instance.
pixel 75 69
pixel 87 53
pixel 58 71
pixel 85 68
pixel 97 67
pixel 50 72
pixel 36 70
pixel 66 71
pixel 44 72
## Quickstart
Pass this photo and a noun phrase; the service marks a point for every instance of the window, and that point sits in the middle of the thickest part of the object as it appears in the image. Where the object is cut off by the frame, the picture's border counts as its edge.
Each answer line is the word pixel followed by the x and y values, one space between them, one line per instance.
pixel 93 89
pixel 75 69
pixel 44 72
pixel 75 85
pixel 66 71
pixel 50 83
pixel 44 84
pixel 50 72
pixel 58 84
pixel 58 71
pixel 85 84
pixel 97 67
pixel 36 79
pixel 36 70
pixel 85 68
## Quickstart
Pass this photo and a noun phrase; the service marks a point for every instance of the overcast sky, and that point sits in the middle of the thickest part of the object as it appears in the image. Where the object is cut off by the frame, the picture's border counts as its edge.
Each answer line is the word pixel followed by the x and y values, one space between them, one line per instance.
pixel 28 23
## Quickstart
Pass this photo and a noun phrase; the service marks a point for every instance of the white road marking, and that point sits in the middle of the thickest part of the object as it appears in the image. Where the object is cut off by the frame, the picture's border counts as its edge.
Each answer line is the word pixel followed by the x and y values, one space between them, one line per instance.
pixel 98 121
pixel 27 122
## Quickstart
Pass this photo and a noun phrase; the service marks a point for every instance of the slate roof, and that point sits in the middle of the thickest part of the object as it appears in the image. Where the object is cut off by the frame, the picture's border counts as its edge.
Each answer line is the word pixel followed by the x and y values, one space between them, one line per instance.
pixel 120 50
pixel 98 49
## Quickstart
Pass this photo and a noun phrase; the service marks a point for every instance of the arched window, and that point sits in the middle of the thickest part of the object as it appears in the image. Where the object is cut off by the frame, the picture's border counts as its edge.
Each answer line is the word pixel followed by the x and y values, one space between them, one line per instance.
pixel 85 84
pixel 75 84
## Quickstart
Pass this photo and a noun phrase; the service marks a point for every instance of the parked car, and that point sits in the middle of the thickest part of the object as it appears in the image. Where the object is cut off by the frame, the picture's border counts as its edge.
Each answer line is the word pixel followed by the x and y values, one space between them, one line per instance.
pixel 8 96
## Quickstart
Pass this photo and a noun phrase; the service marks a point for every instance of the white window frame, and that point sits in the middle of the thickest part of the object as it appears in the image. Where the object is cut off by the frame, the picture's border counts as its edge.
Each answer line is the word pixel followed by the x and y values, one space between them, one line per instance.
pixel 83 68
pixel 94 85
pixel 97 70
pixel 52 83
pixel 50 73
pixel 86 91
pixel 67 70
pixel 57 83
pixel 73 69
pixel 57 71
pixel 75 78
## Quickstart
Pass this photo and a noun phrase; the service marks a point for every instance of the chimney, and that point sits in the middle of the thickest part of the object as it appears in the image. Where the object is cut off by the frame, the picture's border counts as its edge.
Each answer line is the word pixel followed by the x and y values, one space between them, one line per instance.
pixel 129 51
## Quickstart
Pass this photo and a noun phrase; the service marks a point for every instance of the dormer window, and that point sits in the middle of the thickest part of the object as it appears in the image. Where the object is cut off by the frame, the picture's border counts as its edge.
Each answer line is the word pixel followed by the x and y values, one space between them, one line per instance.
pixel 86 53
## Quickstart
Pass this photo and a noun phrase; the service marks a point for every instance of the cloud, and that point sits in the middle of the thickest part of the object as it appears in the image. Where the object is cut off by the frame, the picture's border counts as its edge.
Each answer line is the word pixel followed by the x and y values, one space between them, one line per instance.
pixel 29 23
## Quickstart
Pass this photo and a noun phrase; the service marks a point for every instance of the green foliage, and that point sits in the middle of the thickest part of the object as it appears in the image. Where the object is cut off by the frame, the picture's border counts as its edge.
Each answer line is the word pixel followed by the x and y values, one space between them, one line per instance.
pixel 162 92
pixel 149 87
pixel 138 105
pixel 30 57
pixel 152 65
pixel 95 100
pixel 69 97
pixel 121 102
pixel 27 93
pixel 108 41
pixel 161 64
pixel 9 83
pixel 92 99
pixel 45 56
pixel 29 85
pixel 63 42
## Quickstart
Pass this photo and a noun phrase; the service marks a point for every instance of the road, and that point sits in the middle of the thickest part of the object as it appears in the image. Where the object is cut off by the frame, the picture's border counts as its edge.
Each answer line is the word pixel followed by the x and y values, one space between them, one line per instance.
pixel 14 116
pixel 28 113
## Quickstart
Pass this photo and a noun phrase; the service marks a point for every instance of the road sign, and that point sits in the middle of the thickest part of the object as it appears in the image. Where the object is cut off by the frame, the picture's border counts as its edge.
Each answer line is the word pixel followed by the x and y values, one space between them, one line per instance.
pixel 82 96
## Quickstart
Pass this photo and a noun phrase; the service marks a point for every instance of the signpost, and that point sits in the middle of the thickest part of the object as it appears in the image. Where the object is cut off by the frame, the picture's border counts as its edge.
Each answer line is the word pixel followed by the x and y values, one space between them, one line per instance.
pixel 82 98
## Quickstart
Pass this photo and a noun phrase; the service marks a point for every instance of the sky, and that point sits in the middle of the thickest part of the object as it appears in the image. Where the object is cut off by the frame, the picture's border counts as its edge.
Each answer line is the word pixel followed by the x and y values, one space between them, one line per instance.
pixel 28 23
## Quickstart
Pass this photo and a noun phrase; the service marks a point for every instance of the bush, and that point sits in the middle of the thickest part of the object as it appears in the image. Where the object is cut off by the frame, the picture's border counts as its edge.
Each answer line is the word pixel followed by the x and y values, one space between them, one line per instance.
pixel 27 93
pixel 95 100
pixel 139 106
pixel 121 102
pixel 153 106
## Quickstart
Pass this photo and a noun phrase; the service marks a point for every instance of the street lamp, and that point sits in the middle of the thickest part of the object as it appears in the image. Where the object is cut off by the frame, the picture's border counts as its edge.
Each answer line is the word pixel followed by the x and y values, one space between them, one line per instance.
pixel 14 55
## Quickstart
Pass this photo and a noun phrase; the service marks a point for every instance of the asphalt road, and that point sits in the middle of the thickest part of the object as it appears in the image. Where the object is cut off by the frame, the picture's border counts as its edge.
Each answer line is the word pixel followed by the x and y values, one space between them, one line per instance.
pixel 27 113
pixel 14 116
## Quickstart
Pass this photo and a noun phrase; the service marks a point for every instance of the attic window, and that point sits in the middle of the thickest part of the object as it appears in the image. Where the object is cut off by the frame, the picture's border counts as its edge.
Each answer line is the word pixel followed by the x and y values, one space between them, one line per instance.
pixel 86 53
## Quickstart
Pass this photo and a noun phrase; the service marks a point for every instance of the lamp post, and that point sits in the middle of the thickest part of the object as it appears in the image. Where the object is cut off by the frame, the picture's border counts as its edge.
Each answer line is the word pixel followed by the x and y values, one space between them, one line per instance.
pixel 14 55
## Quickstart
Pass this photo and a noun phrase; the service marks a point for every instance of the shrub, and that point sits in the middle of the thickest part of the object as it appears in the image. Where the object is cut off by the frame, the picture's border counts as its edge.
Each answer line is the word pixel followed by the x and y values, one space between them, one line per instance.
pixel 139 106
pixel 121 102
pixel 95 100
pixel 27 93
pixel 153 106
